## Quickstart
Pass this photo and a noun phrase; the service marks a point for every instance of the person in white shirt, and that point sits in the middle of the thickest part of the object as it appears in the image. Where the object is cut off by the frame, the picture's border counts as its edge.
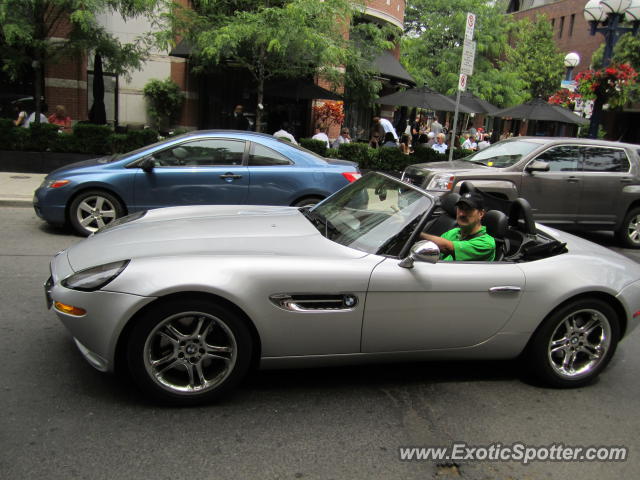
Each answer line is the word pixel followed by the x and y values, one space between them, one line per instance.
pixel 321 134
pixel 283 133
pixel 440 146
pixel 470 143
pixel 386 126
pixel 32 118
pixel 342 138
pixel 485 142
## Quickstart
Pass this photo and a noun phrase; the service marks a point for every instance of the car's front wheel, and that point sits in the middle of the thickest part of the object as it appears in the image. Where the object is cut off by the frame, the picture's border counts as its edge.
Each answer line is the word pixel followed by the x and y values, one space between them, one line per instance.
pixel 92 210
pixel 307 202
pixel 188 351
pixel 629 232
pixel 574 344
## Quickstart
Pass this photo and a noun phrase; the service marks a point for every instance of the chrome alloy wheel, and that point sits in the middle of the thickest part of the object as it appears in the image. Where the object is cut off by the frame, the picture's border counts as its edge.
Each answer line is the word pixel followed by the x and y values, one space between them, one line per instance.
pixel 633 230
pixel 190 352
pixel 94 212
pixel 579 343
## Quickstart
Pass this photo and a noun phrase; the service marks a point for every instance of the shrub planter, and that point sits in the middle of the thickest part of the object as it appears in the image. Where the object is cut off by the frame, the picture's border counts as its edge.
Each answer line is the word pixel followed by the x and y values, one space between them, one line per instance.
pixel 38 162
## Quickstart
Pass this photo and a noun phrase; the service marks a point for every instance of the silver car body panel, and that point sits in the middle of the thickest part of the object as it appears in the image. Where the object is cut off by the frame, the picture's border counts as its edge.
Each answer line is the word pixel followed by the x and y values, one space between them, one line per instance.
pixel 248 254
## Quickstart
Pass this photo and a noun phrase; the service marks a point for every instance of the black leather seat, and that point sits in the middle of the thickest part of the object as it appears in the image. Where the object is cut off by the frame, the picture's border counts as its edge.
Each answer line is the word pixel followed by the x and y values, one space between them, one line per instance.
pixel 447 219
pixel 497 225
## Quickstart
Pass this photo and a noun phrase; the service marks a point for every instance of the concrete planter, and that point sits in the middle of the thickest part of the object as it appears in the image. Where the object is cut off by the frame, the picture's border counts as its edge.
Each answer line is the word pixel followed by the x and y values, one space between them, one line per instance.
pixel 38 162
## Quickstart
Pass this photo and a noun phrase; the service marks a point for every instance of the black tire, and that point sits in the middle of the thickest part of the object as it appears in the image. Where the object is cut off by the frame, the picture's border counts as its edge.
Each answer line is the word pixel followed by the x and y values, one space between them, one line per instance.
pixel 307 202
pixel 629 232
pixel 94 209
pixel 576 343
pixel 173 338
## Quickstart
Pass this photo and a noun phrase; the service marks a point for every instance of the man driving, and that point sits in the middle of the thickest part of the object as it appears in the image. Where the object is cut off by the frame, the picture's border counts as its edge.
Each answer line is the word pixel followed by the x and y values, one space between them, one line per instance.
pixel 470 240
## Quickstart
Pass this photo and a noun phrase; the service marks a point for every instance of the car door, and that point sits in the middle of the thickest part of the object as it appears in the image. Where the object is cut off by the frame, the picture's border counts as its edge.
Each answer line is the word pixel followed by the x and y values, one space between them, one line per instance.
pixel 435 306
pixel 196 172
pixel 606 171
pixel 274 177
pixel 554 195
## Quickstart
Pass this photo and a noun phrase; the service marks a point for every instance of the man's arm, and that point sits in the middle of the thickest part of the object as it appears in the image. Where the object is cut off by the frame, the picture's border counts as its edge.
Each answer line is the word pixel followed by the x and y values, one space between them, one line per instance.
pixel 445 246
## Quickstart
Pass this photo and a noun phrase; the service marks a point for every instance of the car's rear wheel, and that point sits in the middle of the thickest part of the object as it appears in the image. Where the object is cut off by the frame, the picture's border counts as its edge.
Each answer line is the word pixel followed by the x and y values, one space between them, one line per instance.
pixel 92 210
pixel 574 344
pixel 188 351
pixel 307 202
pixel 629 232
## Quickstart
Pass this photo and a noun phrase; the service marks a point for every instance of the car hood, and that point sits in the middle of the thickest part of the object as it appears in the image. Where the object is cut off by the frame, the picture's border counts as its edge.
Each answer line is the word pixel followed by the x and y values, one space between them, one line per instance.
pixel 208 230
pixel 92 162
pixel 421 173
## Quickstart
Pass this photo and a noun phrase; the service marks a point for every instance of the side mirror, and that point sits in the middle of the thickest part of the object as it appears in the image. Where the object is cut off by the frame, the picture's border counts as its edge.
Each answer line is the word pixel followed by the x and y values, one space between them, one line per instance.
pixel 148 164
pixel 423 251
pixel 537 166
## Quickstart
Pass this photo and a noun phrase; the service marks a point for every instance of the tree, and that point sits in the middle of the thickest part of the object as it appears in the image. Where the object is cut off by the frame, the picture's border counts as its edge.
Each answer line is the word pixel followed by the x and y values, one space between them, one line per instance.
pixel 274 38
pixel 535 57
pixel 432 48
pixel 29 27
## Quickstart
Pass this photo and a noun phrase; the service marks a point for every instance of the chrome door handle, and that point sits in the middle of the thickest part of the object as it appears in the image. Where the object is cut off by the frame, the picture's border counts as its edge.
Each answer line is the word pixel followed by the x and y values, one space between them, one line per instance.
pixel 626 180
pixel 231 176
pixel 573 179
pixel 505 289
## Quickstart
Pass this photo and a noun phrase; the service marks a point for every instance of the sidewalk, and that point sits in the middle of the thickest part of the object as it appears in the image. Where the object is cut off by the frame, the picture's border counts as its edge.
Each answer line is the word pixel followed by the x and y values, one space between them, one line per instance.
pixel 16 189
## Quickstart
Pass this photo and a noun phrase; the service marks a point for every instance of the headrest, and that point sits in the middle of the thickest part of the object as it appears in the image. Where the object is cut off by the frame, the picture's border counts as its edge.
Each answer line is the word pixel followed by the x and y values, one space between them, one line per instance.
pixel 448 203
pixel 497 223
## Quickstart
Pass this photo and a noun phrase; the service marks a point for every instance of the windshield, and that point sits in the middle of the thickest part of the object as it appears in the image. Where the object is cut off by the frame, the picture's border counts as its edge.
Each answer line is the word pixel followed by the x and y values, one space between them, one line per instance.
pixel 502 154
pixel 369 213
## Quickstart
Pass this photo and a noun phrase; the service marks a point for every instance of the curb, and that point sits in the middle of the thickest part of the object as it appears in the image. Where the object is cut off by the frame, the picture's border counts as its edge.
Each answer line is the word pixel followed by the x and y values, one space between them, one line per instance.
pixel 16 202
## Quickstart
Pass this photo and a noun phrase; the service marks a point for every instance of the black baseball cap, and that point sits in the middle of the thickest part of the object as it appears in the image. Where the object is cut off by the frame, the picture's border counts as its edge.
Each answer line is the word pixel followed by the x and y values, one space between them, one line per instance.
pixel 473 200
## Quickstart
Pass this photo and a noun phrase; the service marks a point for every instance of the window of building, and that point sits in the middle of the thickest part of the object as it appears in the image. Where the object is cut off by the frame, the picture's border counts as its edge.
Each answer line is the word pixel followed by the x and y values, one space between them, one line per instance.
pixel 561 27
pixel 553 23
pixel 572 21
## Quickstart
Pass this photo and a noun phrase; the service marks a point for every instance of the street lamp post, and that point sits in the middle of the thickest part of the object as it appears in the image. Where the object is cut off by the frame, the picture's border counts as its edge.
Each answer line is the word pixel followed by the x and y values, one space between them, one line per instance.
pixel 606 17
pixel 571 61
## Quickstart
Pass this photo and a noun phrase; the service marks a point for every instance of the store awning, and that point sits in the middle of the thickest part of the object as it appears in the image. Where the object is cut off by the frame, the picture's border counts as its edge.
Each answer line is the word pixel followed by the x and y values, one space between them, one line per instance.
pixel 389 67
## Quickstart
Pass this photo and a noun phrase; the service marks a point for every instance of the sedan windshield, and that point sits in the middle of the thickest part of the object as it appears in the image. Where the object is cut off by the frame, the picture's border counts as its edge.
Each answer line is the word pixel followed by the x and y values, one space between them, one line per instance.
pixel 370 212
pixel 502 154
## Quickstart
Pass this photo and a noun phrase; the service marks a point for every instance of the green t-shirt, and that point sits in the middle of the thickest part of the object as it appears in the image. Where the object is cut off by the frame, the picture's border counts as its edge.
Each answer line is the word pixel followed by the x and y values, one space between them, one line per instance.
pixel 480 246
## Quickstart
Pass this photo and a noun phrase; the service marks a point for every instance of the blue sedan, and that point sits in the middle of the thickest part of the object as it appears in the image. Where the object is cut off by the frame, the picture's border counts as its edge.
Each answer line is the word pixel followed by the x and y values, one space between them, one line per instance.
pixel 198 168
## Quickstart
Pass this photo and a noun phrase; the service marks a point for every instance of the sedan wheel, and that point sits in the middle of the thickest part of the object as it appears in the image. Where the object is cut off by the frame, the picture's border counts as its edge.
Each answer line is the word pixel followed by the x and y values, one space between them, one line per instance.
pixel 93 210
pixel 629 233
pixel 188 352
pixel 574 344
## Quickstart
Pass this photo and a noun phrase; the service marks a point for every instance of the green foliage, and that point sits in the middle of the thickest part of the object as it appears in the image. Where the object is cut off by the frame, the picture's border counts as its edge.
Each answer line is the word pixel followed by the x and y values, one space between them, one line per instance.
pixel 164 100
pixel 92 138
pixel 432 48
pixel 428 154
pixel 535 57
pixel 317 146
pixel 357 152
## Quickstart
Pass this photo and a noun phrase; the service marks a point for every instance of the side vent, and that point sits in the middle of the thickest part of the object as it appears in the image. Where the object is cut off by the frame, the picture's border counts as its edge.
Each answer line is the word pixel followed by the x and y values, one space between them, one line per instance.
pixel 310 303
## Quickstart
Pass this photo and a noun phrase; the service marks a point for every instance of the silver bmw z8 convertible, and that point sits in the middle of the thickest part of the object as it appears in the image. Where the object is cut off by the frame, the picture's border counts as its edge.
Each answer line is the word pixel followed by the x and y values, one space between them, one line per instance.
pixel 188 299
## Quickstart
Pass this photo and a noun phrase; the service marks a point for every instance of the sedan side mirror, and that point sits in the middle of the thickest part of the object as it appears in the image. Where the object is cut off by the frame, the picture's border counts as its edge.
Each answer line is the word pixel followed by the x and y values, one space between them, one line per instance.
pixel 148 164
pixel 423 251
pixel 537 166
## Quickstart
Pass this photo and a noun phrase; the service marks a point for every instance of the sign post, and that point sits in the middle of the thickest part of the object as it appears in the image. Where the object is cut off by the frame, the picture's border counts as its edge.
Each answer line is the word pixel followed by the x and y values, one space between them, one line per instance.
pixel 466 69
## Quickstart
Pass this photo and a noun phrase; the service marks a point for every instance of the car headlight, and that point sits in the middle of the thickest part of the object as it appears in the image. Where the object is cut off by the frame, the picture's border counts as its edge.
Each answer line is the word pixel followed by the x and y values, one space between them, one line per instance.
pixel 96 277
pixel 442 182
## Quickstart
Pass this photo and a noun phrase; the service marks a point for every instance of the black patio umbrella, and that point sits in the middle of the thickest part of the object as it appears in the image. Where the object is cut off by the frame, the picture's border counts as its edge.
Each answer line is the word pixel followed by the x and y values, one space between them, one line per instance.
pixel 475 104
pixel 300 90
pixel 538 109
pixel 422 97
pixel 98 113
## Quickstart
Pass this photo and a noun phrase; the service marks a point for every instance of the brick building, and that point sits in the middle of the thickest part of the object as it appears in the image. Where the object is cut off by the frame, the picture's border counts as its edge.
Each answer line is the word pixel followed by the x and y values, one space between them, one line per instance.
pixel 572 34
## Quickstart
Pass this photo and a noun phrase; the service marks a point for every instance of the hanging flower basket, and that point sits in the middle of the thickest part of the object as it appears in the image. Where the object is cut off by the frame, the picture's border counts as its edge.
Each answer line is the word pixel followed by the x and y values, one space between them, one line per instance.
pixel 610 84
pixel 565 98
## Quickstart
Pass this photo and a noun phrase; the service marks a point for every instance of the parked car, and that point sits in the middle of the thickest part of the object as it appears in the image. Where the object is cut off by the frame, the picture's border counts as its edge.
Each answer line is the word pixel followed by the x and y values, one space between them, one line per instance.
pixel 187 299
pixel 571 183
pixel 198 168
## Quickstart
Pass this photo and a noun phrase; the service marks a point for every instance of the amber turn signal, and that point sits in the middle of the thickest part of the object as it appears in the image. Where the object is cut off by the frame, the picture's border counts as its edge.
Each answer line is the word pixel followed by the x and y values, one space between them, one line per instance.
pixel 69 309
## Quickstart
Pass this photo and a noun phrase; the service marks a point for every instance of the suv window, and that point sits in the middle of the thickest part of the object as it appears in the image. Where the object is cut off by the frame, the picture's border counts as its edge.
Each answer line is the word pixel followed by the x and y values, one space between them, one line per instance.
pixel 563 158
pixel 200 153
pixel 262 156
pixel 602 159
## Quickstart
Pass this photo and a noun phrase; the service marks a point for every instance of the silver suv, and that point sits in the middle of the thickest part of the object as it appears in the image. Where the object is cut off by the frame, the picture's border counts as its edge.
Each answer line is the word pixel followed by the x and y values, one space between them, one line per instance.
pixel 571 183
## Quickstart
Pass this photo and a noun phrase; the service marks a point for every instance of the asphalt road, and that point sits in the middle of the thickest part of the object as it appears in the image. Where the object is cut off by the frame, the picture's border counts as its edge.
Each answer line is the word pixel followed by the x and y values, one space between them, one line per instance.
pixel 61 419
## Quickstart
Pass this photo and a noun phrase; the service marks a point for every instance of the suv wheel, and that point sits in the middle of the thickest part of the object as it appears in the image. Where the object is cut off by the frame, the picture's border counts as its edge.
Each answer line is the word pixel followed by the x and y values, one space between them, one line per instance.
pixel 629 232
